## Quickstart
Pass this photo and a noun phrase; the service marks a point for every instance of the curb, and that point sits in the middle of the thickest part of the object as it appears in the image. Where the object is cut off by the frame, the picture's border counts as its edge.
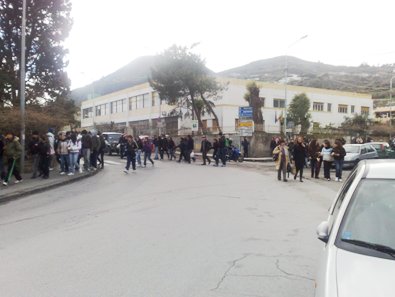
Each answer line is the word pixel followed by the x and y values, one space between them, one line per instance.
pixel 22 193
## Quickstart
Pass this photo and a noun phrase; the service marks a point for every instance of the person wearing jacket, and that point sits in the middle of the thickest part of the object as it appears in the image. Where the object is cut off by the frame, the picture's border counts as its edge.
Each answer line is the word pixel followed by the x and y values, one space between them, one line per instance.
pixel 44 149
pixel 147 149
pixel 102 148
pixel 326 154
pixel 95 149
pixel 172 149
pixel 338 154
pixel 205 146
pixel 86 146
pixel 299 157
pixel 216 151
pixel 74 147
pixel 282 161
pixel 34 153
pixel 12 154
pixel 51 142
pixel 63 152
pixel 130 153
pixel 313 154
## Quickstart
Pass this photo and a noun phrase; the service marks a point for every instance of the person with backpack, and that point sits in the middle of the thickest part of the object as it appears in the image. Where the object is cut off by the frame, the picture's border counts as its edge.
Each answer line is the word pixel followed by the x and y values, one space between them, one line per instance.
pixel 205 146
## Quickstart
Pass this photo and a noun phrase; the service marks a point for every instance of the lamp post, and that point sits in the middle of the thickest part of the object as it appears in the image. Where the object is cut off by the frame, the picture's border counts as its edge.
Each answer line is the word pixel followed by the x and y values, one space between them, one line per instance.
pixel 22 83
pixel 391 106
pixel 286 81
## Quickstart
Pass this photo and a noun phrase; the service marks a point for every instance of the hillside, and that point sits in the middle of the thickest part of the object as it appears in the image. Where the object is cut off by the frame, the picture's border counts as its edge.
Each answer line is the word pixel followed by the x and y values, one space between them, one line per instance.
pixel 364 78
pixel 136 72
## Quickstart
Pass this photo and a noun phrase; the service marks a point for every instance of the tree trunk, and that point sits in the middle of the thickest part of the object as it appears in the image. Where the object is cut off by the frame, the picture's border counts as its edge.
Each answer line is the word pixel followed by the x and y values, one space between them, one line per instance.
pixel 210 108
pixel 199 118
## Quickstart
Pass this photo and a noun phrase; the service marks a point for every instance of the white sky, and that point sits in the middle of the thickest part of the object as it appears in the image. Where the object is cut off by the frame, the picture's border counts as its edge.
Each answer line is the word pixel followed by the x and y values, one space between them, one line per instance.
pixel 109 34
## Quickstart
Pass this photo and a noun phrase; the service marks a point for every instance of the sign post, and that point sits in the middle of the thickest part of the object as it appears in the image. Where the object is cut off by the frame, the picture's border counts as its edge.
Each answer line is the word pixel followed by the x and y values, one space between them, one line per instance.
pixel 246 123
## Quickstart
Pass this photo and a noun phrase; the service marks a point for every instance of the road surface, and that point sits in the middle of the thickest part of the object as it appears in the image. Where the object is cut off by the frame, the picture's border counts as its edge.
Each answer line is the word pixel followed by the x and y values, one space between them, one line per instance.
pixel 173 230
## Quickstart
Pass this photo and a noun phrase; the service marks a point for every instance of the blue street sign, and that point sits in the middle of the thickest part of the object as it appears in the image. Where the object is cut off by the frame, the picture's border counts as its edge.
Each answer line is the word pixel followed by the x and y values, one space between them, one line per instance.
pixel 245 112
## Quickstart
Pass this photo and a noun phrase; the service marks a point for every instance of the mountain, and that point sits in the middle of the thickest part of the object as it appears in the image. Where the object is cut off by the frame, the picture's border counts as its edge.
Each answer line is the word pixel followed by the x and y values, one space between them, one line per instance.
pixel 363 79
pixel 136 72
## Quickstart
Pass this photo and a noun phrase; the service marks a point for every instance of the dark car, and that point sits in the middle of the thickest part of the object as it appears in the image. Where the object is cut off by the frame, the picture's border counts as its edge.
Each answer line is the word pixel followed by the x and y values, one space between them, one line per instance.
pixel 112 140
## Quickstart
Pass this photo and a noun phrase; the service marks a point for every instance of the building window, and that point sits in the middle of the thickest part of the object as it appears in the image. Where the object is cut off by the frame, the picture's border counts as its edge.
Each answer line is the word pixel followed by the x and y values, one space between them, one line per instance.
pixel 352 108
pixel 132 103
pixel 365 110
pixel 140 102
pixel 279 103
pixel 155 99
pixel 87 113
pixel 329 107
pixel 118 106
pixel 215 125
pixel 146 100
pixel 318 106
pixel 342 108
pixel 98 110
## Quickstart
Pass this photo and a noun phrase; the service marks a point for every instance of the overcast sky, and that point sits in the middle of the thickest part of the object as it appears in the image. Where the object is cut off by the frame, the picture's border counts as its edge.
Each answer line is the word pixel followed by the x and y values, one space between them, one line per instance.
pixel 109 34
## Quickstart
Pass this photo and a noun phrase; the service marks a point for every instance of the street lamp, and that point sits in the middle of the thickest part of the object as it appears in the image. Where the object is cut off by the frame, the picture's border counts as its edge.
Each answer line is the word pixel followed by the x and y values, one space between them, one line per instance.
pixel 22 83
pixel 286 81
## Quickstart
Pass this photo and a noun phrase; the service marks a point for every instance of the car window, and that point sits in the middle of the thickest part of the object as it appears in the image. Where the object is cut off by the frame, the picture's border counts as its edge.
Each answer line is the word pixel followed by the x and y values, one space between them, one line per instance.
pixel 363 150
pixel 351 149
pixel 371 149
pixel 340 198
pixel 370 217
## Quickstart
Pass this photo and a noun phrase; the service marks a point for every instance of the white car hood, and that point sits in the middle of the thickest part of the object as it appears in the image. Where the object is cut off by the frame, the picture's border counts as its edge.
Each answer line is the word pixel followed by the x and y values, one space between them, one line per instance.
pixel 351 156
pixel 364 276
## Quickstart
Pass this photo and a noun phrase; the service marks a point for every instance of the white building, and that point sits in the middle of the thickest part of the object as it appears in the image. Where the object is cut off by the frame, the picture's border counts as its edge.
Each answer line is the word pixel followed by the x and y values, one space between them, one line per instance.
pixel 137 108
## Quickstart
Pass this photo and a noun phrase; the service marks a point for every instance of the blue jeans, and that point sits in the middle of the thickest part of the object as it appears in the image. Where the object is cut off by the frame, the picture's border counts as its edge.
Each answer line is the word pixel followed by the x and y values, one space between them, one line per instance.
pixel 138 157
pixel 130 159
pixel 156 153
pixel 73 158
pixel 64 159
pixel 339 168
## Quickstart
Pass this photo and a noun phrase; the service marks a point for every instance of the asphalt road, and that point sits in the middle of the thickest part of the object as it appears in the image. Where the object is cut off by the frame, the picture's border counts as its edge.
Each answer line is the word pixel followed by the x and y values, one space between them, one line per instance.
pixel 171 230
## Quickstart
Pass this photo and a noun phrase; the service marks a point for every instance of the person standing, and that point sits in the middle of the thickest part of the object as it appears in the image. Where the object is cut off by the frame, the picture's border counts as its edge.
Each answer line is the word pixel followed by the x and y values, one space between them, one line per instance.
pixel 172 149
pixel 205 146
pixel 245 145
pixel 102 148
pixel 34 153
pixel 122 143
pixel 313 153
pixel 95 149
pixel 12 155
pixel 216 151
pixel 51 142
pixel 74 147
pixel 327 158
pixel 44 149
pixel 156 144
pixel 86 145
pixel 139 150
pixel 299 157
pixel 190 148
pixel 63 152
pixel 130 153
pixel 338 154
pixel 282 160
pixel 147 148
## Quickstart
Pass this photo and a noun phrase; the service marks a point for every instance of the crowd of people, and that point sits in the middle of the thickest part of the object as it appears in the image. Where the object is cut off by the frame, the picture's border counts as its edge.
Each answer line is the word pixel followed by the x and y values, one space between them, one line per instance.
pixel 294 156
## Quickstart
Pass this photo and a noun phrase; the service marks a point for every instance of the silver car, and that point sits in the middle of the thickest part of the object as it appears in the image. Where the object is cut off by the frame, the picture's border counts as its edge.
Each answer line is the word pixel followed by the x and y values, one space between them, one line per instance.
pixel 358 258
pixel 357 152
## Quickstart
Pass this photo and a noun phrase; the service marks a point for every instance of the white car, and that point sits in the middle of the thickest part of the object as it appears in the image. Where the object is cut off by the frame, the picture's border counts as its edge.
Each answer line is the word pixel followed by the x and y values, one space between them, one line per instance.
pixel 358 258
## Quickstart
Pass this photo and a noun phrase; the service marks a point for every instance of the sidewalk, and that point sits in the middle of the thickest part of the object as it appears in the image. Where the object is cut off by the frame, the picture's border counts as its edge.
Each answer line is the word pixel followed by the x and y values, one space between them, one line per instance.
pixel 32 186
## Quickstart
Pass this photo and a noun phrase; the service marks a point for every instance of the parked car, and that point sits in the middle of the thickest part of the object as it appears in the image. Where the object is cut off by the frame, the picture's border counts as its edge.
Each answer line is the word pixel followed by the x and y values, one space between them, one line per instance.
pixel 357 152
pixel 383 150
pixel 112 140
pixel 358 258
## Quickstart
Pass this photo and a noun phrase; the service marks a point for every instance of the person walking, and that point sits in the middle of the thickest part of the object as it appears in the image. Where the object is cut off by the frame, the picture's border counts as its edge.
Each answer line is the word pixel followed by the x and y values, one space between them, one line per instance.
pixel 205 146
pixel 74 147
pixel 281 154
pixel 34 153
pixel 130 153
pixel 102 148
pixel 313 152
pixel 139 151
pixel 216 151
pixel 327 158
pixel 190 148
pixel 147 148
pixel 12 155
pixel 338 154
pixel 122 143
pixel 172 149
pixel 222 148
pixel 156 144
pixel 245 145
pixel 299 157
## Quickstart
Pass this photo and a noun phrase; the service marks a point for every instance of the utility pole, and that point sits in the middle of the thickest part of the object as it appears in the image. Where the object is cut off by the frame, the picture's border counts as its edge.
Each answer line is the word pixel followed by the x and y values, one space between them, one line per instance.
pixel 22 83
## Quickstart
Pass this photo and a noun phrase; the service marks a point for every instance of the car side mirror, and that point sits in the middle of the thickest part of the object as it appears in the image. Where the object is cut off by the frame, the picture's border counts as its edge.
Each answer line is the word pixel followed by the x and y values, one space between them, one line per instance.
pixel 323 231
